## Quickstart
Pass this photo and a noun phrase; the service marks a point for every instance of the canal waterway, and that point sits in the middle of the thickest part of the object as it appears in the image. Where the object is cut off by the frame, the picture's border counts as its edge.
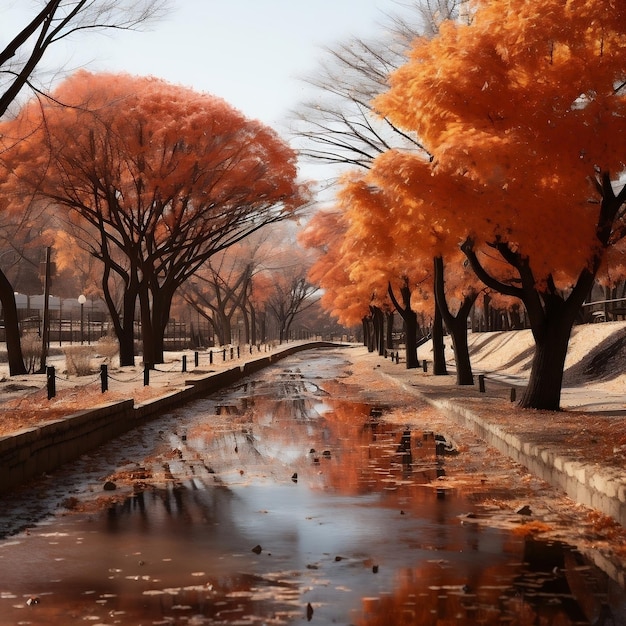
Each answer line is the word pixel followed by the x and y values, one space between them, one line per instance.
pixel 288 499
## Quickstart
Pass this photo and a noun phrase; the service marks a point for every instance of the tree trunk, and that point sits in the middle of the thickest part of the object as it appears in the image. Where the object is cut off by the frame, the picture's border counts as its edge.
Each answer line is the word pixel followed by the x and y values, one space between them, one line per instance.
pixel 124 325
pixel 456 325
pixel 370 337
pixel 546 375
pixel 389 329
pixel 411 326
pixel 378 320
pixel 253 331
pixel 458 332
pixel 147 329
pixel 439 357
pixel 126 341
pixel 11 327
pixel 161 307
pixel 246 325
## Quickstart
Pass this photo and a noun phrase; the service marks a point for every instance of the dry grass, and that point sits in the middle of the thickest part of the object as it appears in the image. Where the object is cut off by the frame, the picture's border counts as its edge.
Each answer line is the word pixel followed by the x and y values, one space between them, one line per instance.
pixel 35 409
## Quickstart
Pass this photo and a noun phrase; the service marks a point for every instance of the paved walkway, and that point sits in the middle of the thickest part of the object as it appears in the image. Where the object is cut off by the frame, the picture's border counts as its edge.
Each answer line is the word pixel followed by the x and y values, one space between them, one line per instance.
pixel 579 450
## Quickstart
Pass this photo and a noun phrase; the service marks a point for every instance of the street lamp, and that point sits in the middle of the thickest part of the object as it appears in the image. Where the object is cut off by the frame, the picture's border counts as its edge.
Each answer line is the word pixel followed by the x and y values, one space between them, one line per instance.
pixel 81 301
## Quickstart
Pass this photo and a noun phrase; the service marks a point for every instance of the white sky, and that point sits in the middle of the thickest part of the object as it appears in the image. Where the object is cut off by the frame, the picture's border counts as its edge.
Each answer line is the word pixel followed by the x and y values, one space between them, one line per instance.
pixel 252 53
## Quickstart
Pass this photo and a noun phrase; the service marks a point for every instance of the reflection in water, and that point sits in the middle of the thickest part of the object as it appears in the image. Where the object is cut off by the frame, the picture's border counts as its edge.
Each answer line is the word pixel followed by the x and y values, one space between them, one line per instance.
pixel 290 500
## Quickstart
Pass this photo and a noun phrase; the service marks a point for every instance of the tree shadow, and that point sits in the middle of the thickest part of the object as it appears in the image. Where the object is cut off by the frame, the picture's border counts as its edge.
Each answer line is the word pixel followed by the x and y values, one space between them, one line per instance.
pixel 603 363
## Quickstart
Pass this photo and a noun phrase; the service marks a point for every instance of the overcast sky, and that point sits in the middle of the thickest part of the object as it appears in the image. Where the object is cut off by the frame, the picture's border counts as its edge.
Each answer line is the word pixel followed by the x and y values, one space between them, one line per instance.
pixel 252 53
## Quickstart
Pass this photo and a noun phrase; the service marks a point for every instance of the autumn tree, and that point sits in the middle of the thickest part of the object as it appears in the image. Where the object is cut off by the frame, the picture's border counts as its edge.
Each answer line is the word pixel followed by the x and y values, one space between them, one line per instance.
pixel 340 127
pixel 376 258
pixel 345 300
pixel 159 177
pixel 291 292
pixel 219 290
pixel 20 58
pixel 522 111
pixel 391 246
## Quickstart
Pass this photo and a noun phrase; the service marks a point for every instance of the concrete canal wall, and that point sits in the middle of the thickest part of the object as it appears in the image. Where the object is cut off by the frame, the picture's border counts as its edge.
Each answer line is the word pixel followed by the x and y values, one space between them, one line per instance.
pixel 592 485
pixel 33 451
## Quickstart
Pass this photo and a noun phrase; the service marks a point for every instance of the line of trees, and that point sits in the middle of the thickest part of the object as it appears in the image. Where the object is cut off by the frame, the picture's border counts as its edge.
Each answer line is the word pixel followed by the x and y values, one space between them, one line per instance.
pixel 149 179
pixel 56 21
pixel 489 163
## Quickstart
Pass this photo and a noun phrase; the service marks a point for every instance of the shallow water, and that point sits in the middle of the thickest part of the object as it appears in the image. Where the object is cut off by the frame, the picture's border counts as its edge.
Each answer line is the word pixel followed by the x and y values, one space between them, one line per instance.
pixel 281 501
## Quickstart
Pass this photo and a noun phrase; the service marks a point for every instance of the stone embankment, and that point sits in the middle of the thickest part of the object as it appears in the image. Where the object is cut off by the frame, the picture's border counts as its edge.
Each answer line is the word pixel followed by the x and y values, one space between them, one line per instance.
pixel 41 449
pixel 580 450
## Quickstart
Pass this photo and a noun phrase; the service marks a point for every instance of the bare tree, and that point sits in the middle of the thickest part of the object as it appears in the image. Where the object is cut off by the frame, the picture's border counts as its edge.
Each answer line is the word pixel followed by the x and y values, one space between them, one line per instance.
pixel 292 295
pixel 57 20
pixel 339 125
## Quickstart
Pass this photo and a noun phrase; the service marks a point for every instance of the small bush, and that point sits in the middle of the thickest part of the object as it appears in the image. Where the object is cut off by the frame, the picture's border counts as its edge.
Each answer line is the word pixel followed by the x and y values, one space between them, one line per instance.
pixel 78 360
pixel 107 347
pixel 31 349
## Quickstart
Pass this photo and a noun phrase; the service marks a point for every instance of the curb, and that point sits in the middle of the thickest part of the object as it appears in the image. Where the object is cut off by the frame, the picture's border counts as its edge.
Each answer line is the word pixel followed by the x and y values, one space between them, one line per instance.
pixel 42 449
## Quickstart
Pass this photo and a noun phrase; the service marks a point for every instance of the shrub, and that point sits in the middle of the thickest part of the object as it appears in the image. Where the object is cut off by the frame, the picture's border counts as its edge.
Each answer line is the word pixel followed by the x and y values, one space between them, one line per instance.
pixel 31 349
pixel 107 347
pixel 78 360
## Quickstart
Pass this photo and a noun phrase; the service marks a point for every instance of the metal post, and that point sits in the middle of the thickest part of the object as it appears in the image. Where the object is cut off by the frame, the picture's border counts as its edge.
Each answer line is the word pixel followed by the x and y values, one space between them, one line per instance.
pixel 51 382
pixel 82 300
pixel 45 335
pixel 146 374
pixel 196 358
pixel 184 362
pixel 104 378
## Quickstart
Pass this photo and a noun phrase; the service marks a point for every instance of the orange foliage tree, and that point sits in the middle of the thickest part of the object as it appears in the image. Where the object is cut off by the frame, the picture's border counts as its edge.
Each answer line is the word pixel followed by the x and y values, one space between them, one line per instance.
pixel 523 113
pixel 53 22
pixel 377 259
pixel 159 177
pixel 347 301
pixel 223 288
pixel 409 255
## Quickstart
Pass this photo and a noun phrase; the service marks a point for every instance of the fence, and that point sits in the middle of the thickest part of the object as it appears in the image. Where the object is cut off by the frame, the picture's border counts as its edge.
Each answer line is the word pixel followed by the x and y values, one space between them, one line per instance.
pixel 211 357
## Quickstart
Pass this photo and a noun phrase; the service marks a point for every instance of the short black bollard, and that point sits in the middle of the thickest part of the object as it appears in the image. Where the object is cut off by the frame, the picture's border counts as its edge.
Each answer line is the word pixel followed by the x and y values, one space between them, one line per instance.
pixel 184 362
pixel 146 374
pixel 513 394
pixel 211 357
pixel 397 357
pixel 104 378
pixel 224 354
pixel 196 358
pixel 481 383
pixel 238 352
pixel 425 365
pixel 51 382
pixel 232 353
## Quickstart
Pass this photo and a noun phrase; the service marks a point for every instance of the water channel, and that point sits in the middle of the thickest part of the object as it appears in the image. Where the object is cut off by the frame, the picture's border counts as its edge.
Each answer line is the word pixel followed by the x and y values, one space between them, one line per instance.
pixel 285 500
